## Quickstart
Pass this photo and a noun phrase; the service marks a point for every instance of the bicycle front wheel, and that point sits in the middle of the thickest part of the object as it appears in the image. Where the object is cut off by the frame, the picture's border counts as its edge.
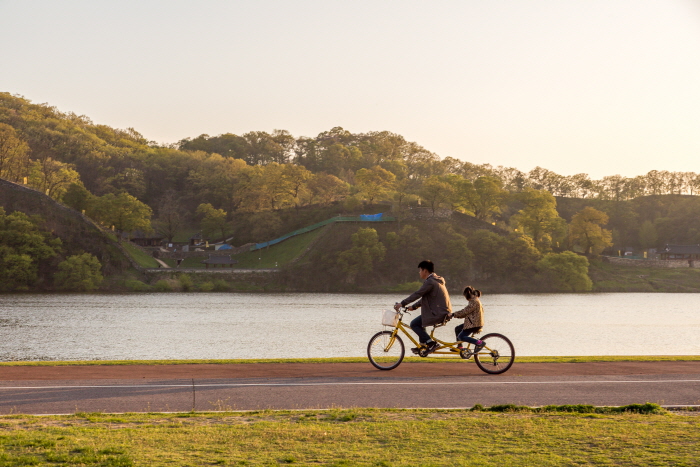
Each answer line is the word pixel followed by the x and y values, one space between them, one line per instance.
pixel 497 356
pixel 385 352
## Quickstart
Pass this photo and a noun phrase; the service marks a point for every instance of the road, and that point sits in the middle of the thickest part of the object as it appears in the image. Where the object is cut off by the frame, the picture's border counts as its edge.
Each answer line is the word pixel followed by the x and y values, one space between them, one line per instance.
pixel 170 388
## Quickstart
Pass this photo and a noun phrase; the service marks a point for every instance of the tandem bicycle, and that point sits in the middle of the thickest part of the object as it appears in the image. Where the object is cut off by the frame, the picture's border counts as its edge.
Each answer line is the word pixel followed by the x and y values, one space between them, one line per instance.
pixel 386 349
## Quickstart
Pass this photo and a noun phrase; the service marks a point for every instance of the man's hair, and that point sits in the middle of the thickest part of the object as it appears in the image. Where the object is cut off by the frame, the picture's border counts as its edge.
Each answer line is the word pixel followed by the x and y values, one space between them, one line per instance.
pixel 427 265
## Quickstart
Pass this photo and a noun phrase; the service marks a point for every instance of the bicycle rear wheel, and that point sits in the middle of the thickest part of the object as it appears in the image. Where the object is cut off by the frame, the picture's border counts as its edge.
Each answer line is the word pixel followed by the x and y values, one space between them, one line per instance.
pixel 497 356
pixel 385 352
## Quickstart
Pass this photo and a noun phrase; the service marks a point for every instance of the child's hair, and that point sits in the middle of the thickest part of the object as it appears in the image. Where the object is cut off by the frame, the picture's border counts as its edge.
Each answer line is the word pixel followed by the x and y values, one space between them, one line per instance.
pixel 470 292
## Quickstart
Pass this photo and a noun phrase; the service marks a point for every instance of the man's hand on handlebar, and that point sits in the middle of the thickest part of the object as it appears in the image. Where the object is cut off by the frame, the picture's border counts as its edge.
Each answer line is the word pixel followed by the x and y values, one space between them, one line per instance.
pixel 397 305
pixel 450 316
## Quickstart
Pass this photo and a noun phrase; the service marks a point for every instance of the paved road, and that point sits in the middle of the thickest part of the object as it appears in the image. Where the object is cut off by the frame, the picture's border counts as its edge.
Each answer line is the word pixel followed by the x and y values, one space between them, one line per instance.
pixel 250 387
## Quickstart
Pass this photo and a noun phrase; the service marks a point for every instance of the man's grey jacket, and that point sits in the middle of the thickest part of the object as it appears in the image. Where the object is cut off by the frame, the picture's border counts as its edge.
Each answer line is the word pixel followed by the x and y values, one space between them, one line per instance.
pixel 434 300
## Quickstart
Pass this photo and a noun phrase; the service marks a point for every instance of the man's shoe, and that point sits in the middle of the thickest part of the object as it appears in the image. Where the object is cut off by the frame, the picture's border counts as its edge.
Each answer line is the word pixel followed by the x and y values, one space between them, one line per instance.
pixel 478 347
pixel 431 347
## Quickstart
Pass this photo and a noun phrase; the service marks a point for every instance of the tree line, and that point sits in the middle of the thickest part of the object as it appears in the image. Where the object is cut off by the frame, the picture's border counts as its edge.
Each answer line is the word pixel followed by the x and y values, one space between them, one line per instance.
pixel 121 179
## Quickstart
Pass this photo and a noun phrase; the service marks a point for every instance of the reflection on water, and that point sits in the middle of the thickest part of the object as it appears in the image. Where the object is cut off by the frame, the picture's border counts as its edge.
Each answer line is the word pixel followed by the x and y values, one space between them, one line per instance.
pixel 214 326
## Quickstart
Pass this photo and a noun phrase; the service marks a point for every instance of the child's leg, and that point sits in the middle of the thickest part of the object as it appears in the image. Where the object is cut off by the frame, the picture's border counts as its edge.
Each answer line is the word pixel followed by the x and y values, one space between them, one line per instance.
pixel 464 336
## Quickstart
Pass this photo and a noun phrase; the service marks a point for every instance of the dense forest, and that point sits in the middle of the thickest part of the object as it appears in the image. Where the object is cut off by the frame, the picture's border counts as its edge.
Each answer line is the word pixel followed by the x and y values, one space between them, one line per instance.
pixel 240 186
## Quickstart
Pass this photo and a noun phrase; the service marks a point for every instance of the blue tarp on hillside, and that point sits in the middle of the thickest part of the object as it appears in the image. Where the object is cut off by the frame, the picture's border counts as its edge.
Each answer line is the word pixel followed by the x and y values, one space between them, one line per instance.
pixel 371 217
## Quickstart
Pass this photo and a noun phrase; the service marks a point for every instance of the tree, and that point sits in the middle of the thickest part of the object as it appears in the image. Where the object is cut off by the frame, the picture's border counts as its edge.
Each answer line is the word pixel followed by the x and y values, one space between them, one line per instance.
pixel 14 154
pixel 435 192
pixel 295 178
pixel 169 221
pixel 565 272
pixel 586 231
pixel 326 188
pixel 79 273
pixel 77 197
pixel 366 251
pixel 213 221
pixel 52 177
pixel 374 182
pixel 647 235
pixel 22 245
pixel 483 198
pixel 539 218
pixel 122 211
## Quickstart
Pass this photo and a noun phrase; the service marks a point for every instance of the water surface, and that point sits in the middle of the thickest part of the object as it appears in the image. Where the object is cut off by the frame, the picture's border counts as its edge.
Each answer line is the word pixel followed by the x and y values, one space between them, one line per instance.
pixel 217 326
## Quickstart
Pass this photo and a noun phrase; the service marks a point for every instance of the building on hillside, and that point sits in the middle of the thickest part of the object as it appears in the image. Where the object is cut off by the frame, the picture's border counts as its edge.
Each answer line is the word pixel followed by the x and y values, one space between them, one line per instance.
pixel 143 239
pixel 689 252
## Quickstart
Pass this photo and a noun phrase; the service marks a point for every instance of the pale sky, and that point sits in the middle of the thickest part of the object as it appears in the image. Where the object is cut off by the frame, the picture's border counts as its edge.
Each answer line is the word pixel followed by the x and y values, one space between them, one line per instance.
pixel 602 87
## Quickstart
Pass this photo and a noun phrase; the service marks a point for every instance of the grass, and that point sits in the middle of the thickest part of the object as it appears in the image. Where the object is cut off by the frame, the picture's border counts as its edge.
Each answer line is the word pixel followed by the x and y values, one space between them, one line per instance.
pixel 266 258
pixel 582 359
pixel 504 435
pixel 142 258
pixel 609 277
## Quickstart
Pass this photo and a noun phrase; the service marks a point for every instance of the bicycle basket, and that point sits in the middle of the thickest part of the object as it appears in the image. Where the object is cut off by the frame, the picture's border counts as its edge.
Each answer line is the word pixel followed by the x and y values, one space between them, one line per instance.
pixel 390 318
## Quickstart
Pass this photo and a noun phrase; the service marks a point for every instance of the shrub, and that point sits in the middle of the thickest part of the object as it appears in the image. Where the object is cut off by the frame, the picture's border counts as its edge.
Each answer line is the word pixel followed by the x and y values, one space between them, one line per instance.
pixel 221 285
pixel 79 273
pixel 206 286
pixel 185 282
pixel 163 286
pixel 136 285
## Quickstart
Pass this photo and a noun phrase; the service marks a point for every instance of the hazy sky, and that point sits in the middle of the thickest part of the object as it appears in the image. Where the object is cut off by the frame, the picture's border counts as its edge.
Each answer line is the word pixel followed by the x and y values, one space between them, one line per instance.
pixel 601 87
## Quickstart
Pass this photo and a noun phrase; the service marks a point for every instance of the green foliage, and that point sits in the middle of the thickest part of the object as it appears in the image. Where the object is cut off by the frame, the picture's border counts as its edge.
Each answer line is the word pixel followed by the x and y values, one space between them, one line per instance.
pixel 539 218
pixel 587 233
pixel 79 273
pixel 185 281
pixel 14 154
pixel 206 286
pixel 22 246
pixel 163 285
pixel 137 286
pixel 122 211
pixel 566 272
pixel 647 235
pixel 367 250
pixel 214 223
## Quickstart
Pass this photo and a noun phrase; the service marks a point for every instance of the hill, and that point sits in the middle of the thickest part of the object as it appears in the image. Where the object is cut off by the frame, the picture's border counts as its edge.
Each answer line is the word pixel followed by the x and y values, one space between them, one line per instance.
pixel 77 232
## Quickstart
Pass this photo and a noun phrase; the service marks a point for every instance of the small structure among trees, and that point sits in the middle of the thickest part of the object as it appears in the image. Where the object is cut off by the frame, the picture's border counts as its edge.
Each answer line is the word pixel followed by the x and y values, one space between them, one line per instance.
pixel 689 252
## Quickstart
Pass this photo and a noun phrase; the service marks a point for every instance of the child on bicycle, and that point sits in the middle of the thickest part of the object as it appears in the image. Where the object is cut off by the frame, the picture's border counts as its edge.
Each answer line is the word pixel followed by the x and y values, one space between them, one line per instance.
pixel 473 315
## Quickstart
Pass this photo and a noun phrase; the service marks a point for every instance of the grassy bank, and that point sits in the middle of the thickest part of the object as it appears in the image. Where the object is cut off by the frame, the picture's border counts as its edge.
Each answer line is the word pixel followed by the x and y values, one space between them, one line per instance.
pixel 355 437
pixel 608 277
pixel 582 359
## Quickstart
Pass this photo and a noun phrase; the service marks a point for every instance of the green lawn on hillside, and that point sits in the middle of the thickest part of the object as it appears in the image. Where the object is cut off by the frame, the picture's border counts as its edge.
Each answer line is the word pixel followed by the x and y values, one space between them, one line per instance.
pixel 270 257
pixel 141 257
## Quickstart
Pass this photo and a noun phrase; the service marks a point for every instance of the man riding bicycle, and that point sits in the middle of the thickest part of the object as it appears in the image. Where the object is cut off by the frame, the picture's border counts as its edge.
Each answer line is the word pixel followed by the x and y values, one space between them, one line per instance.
pixel 434 304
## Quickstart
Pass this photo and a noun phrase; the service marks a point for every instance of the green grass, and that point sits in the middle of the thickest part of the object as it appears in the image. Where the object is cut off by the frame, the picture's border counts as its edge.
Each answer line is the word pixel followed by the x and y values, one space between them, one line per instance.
pixel 266 258
pixel 504 435
pixel 609 277
pixel 142 258
pixel 583 359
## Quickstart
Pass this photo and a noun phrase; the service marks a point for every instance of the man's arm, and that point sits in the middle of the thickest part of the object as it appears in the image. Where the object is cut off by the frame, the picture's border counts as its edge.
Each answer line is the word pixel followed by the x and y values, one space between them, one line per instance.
pixel 425 288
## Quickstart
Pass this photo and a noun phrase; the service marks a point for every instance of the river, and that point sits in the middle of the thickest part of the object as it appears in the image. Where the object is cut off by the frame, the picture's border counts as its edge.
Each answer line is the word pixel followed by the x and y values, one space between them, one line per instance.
pixel 221 326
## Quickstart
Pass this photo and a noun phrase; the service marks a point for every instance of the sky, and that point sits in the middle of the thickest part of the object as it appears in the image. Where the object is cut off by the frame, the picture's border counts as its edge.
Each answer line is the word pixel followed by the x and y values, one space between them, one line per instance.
pixel 602 87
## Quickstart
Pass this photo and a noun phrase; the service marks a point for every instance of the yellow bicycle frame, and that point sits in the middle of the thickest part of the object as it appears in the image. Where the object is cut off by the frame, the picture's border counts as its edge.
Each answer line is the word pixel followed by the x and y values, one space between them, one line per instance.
pixel 444 347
